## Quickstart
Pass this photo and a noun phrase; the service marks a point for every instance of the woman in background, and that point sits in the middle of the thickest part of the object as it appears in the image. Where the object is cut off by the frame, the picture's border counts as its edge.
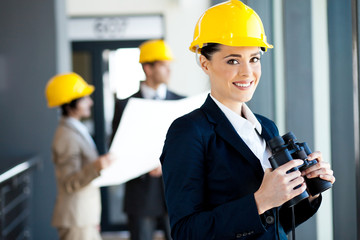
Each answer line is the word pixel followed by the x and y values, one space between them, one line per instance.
pixel 77 209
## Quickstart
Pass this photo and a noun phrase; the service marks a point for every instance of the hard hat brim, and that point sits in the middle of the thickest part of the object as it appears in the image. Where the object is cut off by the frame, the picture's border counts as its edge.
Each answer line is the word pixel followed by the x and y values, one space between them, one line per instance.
pixel 86 92
pixel 248 42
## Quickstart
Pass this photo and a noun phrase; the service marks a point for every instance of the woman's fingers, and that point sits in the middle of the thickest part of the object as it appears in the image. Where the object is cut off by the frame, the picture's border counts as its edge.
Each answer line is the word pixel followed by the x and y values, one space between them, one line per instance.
pixel 297 191
pixel 318 171
pixel 321 169
pixel 289 165
pixel 329 178
pixel 316 155
pixel 319 165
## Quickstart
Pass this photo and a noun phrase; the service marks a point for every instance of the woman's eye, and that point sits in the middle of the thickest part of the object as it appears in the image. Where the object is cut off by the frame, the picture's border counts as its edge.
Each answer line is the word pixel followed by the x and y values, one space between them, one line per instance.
pixel 255 59
pixel 233 61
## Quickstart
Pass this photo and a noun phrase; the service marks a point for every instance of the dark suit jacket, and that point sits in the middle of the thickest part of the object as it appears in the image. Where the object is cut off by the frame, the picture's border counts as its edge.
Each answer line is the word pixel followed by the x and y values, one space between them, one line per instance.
pixel 144 196
pixel 210 178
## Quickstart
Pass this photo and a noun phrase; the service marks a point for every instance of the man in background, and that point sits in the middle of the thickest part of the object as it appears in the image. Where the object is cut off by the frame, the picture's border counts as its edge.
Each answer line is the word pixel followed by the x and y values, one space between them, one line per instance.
pixel 144 201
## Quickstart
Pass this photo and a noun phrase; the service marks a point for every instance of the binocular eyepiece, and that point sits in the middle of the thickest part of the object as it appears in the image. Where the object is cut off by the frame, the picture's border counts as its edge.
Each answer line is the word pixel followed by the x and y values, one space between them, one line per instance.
pixel 287 148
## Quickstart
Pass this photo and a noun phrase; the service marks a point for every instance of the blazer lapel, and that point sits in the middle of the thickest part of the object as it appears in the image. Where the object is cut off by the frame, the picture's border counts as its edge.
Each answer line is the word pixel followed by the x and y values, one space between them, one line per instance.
pixel 73 128
pixel 265 133
pixel 226 131
pixel 168 95
pixel 137 94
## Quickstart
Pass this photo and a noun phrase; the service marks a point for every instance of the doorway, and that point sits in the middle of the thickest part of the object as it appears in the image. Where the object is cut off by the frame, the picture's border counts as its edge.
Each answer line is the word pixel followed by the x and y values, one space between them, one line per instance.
pixel 113 68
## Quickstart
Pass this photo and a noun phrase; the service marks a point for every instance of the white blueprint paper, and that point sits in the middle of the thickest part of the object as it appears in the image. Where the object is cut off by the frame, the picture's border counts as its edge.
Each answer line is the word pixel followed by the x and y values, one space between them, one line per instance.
pixel 139 139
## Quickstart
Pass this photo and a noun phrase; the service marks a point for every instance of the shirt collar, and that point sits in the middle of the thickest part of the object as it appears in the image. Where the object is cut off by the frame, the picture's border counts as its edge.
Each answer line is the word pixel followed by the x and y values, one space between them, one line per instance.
pixel 240 123
pixel 78 125
pixel 150 93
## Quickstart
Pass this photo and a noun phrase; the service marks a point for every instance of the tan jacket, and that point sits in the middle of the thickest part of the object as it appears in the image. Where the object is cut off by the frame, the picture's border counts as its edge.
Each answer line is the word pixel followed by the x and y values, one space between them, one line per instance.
pixel 78 202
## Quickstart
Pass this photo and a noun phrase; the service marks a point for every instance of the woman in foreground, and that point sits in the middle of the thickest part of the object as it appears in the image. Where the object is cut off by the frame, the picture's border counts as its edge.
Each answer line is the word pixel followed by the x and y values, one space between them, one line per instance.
pixel 218 179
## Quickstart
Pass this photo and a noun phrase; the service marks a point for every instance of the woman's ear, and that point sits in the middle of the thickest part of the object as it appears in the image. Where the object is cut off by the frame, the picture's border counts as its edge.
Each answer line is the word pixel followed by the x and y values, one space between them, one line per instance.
pixel 204 63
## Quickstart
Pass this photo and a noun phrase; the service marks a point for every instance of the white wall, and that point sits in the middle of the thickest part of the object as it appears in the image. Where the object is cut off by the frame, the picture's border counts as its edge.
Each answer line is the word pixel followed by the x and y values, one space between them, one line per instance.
pixel 321 95
pixel 180 19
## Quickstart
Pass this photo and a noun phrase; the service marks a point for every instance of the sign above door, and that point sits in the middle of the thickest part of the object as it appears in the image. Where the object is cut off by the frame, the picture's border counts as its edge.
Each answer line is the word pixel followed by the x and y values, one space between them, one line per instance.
pixel 116 28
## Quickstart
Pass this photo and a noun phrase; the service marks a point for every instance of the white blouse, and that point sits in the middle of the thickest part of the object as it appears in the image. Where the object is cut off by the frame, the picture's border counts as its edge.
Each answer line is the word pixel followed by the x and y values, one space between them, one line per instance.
pixel 249 129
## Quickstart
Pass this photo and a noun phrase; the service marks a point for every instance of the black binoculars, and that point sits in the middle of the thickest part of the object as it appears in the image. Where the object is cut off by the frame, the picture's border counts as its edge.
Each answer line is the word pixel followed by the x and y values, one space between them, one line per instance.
pixel 287 148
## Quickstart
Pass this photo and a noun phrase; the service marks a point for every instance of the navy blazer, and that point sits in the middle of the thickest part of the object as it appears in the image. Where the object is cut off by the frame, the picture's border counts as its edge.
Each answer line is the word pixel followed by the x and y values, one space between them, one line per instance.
pixel 210 178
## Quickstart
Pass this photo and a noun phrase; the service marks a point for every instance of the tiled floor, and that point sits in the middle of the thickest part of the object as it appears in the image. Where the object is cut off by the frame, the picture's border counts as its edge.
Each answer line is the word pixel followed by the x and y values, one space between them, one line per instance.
pixel 124 235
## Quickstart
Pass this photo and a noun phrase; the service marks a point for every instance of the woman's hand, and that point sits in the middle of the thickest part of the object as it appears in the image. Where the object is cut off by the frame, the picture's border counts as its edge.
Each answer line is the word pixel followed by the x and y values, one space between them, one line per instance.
pixel 103 161
pixel 321 169
pixel 278 186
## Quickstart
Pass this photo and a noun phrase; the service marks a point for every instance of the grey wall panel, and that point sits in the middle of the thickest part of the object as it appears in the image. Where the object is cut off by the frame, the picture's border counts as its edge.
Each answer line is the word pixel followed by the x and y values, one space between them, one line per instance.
pixel 263 100
pixel 28 59
pixel 298 70
pixel 342 125
pixel 355 7
pixel 298 80
pixel 213 2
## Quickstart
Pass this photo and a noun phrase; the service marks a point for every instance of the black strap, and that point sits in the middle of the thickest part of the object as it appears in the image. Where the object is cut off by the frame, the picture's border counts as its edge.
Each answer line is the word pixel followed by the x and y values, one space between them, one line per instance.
pixel 293 222
pixel 277 223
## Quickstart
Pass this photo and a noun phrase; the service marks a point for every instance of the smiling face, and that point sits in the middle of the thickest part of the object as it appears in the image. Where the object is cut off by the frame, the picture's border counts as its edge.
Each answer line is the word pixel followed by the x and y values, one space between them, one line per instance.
pixel 234 74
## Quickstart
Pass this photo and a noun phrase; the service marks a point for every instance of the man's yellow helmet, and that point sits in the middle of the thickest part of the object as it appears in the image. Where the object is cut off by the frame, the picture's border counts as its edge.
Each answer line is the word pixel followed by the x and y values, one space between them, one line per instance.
pixel 155 50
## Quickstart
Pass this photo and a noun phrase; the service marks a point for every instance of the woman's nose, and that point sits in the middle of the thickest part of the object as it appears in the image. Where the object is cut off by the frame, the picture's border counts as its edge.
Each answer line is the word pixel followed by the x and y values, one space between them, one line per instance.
pixel 245 69
pixel 90 101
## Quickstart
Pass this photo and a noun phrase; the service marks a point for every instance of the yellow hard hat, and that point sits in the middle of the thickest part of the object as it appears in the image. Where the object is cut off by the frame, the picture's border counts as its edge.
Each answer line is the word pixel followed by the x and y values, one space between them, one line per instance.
pixel 230 23
pixel 155 50
pixel 64 88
